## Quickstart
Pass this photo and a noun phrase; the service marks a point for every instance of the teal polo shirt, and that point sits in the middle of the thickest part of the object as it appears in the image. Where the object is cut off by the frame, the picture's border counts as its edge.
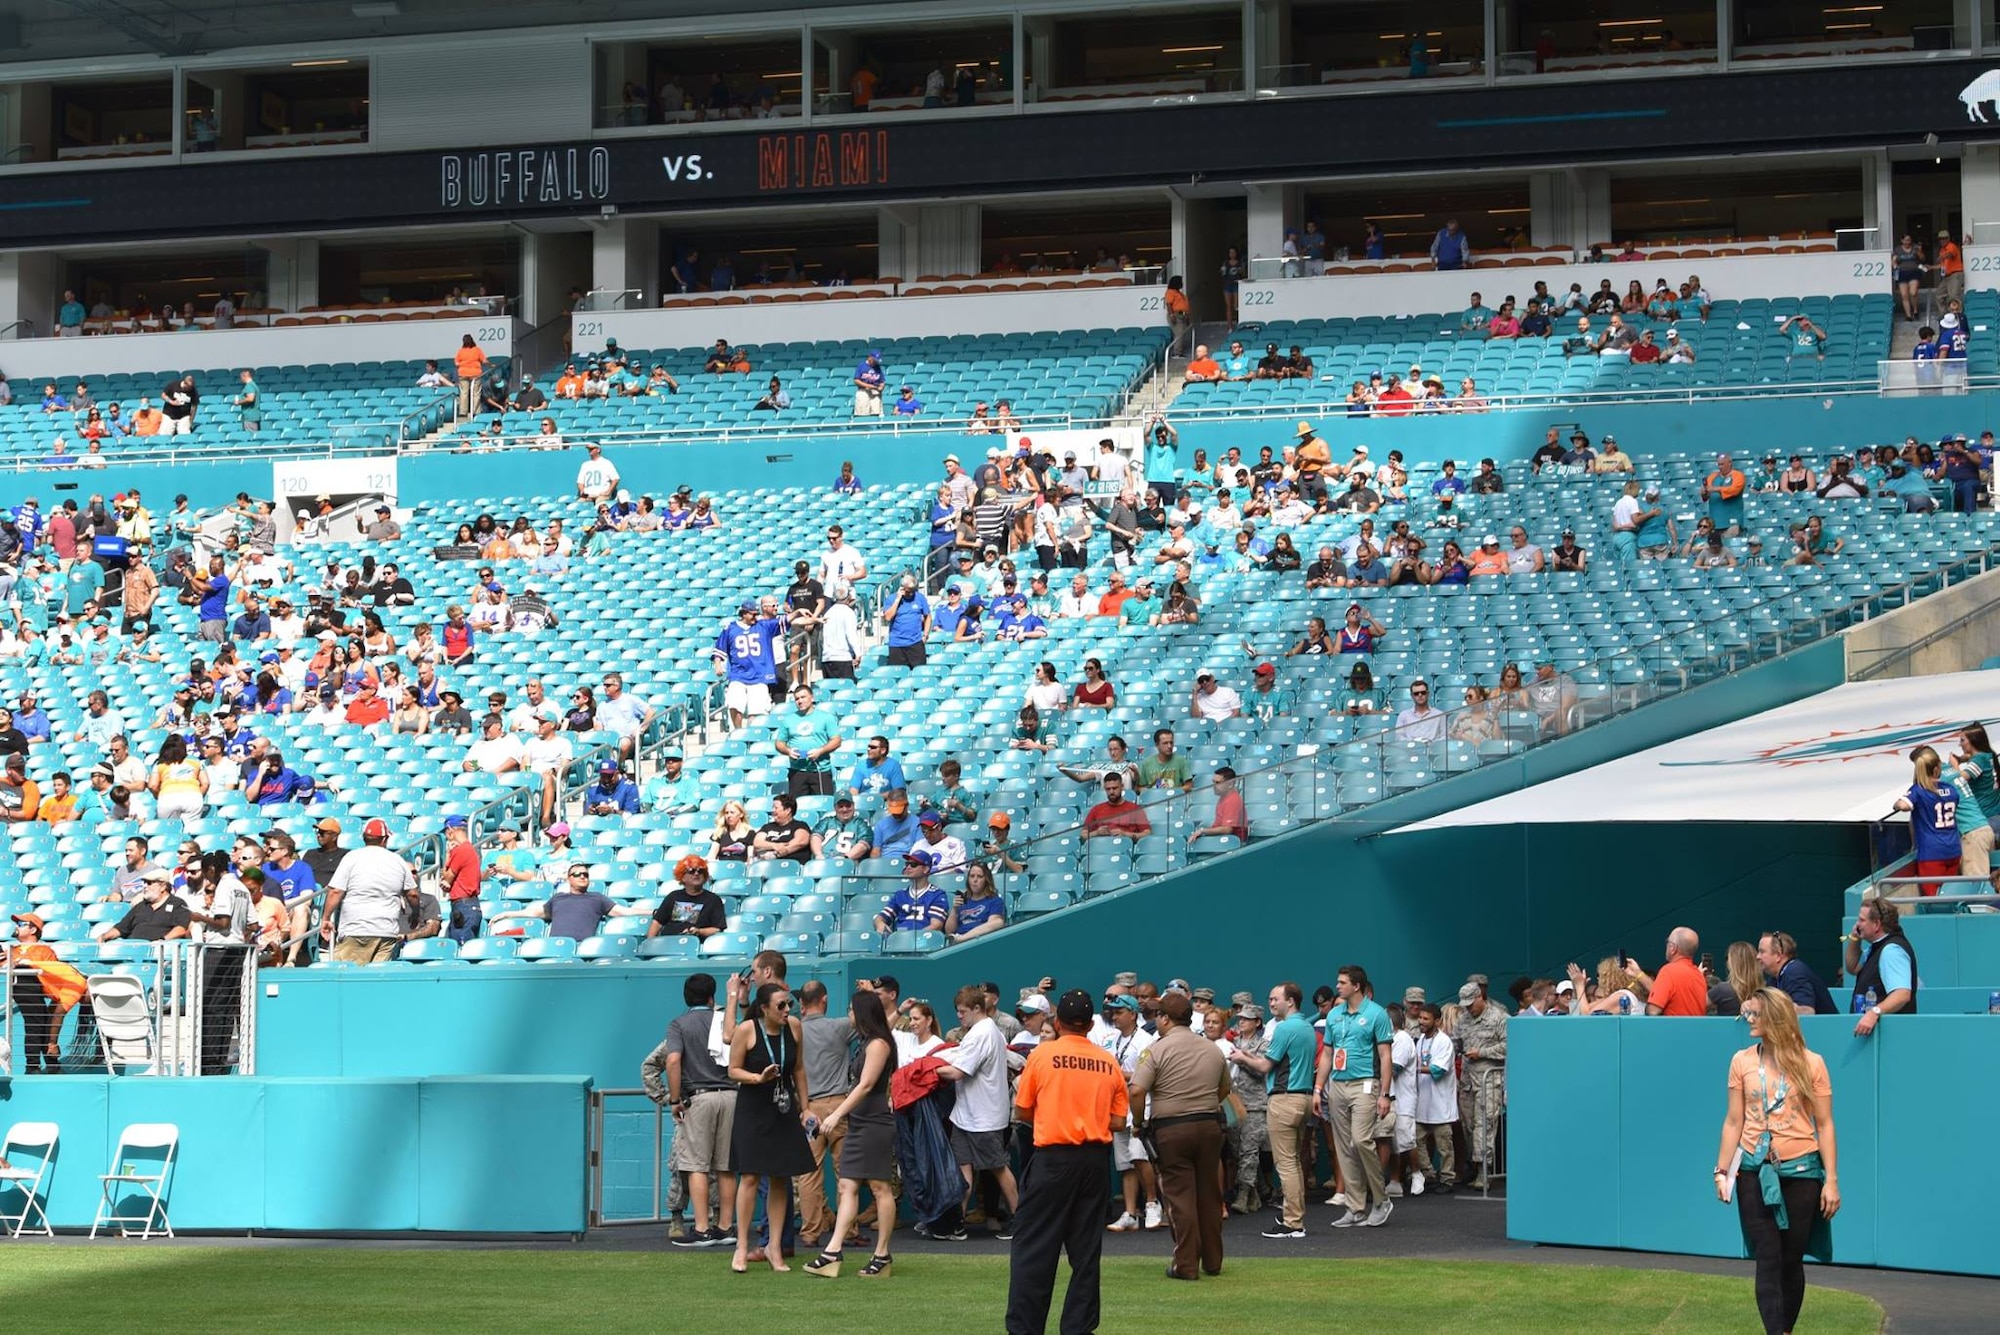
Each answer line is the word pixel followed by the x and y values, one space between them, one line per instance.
pixel 1351 1037
pixel 1292 1054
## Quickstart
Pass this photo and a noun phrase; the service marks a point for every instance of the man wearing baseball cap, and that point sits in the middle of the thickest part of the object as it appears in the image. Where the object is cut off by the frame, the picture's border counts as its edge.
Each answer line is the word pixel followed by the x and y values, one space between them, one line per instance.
pixel 45 991
pixel 917 905
pixel 1074 1096
pixel 460 879
pixel 157 915
pixel 999 831
pixel 366 899
pixel 947 850
pixel 613 794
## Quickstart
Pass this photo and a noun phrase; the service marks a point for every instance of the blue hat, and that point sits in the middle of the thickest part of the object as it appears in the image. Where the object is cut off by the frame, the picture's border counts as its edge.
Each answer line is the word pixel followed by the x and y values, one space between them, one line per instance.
pixel 607 767
pixel 268 657
pixel 928 861
pixel 930 816
pixel 454 822
pixel 747 607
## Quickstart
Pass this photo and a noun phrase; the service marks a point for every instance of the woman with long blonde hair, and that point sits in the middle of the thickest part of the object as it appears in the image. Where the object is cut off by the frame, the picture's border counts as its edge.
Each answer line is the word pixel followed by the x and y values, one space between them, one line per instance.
pixel 1744 976
pixel 1778 1160
pixel 1933 806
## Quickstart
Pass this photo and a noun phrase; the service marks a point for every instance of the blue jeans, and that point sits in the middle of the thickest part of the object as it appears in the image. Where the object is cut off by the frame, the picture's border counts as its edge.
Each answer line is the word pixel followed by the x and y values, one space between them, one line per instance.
pixel 466 911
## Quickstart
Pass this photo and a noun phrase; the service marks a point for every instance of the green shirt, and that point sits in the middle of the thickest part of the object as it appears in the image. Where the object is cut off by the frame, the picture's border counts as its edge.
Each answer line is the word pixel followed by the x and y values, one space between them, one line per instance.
pixel 1173 773
pixel 809 732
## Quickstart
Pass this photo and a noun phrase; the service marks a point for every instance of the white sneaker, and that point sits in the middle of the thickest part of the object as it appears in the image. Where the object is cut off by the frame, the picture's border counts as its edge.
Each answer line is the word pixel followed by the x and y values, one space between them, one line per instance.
pixel 1336 1199
pixel 1350 1219
pixel 1416 1184
pixel 1153 1219
pixel 1124 1223
pixel 1378 1216
pixel 1395 1189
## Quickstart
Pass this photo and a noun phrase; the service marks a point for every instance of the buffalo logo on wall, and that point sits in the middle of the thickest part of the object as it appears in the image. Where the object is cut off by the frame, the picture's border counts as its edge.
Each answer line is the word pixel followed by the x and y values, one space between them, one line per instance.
pixel 524 178
pixel 1981 93
pixel 1840 746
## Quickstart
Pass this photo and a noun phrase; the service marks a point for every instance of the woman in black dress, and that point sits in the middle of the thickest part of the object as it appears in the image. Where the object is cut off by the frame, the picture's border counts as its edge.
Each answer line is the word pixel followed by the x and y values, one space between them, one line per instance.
pixel 868 1154
pixel 767 1140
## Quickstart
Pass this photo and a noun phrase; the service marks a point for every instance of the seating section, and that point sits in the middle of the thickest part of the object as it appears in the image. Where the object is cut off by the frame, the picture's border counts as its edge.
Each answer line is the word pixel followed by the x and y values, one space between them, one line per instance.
pixel 1085 374
pixel 339 401
pixel 1739 346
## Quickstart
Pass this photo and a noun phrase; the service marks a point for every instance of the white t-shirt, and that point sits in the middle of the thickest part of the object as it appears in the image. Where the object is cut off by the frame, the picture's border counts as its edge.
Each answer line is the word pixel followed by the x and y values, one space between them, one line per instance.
pixel 1437 1100
pixel 948 849
pixel 544 754
pixel 1112 468
pixel 1222 702
pixel 1076 605
pixel 839 568
pixel 1625 513
pixel 372 881
pixel 1048 697
pixel 490 754
pixel 598 478
pixel 982 1095
pixel 908 1048
pixel 1521 560
pixel 1403 1056
pixel 1127 1051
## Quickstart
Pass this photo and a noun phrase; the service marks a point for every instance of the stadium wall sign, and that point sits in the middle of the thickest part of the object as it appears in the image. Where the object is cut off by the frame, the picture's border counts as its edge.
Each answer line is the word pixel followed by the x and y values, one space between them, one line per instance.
pixel 1635 119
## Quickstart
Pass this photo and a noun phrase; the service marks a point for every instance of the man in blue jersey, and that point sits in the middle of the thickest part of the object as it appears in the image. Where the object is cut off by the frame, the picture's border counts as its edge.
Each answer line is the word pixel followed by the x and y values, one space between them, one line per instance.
pixel 908 617
pixel 878 772
pixel 746 652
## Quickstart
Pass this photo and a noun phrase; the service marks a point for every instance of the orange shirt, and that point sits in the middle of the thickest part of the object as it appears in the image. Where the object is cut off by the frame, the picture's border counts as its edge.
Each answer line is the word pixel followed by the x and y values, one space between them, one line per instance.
pixel 369 709
pixel 1482 563
pixel 1767 1104
pixel 1726 485
pixel 741 366
pixel 58 809
pixel 471 363
pixel 1073 1091
pixel 1949 260
pixel 1176 301
pixel 146 422
pixel 1114 602
pixel 862 86
pixel 569 387
pixel 1679 988
pixel 61 983
pixel 1204 368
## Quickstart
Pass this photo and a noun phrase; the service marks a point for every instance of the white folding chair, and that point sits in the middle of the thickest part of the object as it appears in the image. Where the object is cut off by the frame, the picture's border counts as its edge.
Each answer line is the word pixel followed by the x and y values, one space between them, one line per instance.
pixel 134 1176
pixel 23 1138
pixel 126 1030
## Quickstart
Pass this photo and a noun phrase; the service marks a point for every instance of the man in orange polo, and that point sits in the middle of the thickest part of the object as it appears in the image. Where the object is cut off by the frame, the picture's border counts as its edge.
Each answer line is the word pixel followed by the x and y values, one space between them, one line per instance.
pixel 1073 1093
pixel 45 990
pixel 1950 268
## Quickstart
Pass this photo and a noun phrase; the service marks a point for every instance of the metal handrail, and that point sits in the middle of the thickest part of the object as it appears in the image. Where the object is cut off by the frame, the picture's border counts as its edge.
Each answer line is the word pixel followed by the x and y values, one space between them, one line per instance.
pixel 783 430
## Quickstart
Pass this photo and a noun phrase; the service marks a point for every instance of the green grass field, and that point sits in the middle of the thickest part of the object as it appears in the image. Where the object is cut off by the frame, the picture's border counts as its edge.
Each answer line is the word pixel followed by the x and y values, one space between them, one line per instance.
pixel 258 1288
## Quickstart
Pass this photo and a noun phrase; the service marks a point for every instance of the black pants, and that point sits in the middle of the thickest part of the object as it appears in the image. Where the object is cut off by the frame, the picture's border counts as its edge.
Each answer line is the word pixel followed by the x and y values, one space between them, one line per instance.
pixel 1063 1199
pixel 907 655
pixel 835 671
pixel 809 783
pixel 1780 1256
pixel 221 998
pixel 1073 558
pixel 37 1024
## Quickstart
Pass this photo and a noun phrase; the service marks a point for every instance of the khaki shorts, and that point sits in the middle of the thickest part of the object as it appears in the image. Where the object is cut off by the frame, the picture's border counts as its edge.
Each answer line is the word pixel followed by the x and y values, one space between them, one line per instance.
pixel 365 949
pixel 701 1141
pixel 1385 1127
pixel 1127 1149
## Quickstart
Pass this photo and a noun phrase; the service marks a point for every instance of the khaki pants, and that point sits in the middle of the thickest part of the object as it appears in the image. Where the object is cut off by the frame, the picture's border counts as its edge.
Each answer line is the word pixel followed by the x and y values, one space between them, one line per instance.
pixel 1975 857
pixel 815 1218
pixel 1435 1137
pixel 1351 1109
pixel 1287 1117
pixel 364 949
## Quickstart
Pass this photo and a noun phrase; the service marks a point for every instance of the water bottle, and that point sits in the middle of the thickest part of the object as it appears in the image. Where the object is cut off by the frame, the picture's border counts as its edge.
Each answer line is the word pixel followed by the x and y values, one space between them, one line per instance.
pixel 1869 1000
pixel 1624 1003
pixel 1993 1003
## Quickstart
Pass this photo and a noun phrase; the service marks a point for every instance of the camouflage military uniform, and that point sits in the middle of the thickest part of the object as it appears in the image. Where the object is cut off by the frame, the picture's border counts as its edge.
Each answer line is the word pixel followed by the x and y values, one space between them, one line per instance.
pixel 1249 1139
pixel 1485 1077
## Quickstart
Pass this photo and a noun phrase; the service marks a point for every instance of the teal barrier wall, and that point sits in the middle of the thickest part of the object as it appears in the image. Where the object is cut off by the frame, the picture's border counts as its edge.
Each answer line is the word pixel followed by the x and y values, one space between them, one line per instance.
pixel 1428 907
pixel 1614 1124
pixel 1957 952
pixel 496 1154
pixel 521 1019
pixel 810 459
pixel 1776 425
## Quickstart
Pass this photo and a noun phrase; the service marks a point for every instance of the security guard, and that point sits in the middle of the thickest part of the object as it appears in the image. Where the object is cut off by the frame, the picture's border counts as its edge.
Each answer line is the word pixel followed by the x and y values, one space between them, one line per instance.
pixel 1188 1081
pixel 1073 1093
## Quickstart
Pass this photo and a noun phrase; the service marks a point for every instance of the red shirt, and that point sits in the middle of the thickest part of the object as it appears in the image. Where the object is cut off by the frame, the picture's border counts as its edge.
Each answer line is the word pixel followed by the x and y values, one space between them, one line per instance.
pixel 457 640
pixel 461 872
pixel 1229 814
pixel 1645 352
pixel 1127 817
pixel 1679 988
pixel 368 709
